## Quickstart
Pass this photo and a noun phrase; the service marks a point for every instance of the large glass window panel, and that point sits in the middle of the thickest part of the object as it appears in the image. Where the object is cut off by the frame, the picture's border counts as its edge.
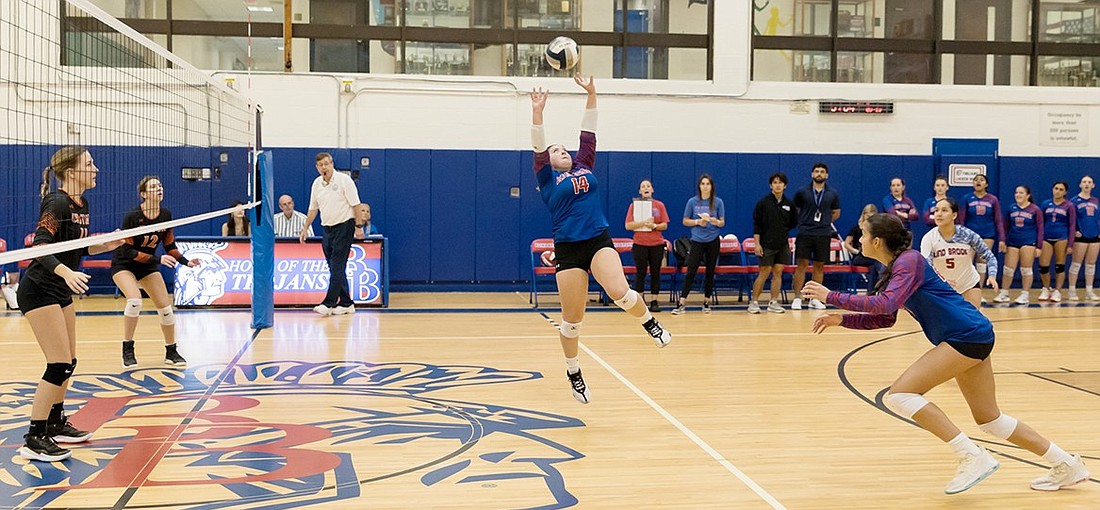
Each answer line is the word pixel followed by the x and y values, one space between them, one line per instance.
pixel 663 16
pixel 859 66
pixel 1069 22
pixel 788 65
pixel 487 13
pixel 437 13
pixel 595 60
pixel 859 18
pixel 1068 71
pixel 791 17
pixel 559 14
pixel 687 64
pixel 908 19
pixel 262 11
pixel 229 53
pixel 985 70
pixel 907 68
pixel 141 9
pixel 987 20
pixel 437 58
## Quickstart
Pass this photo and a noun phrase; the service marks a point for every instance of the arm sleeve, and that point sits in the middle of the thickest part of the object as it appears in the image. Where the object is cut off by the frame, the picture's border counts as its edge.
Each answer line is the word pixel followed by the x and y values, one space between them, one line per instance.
pixel 169 242
pixel 588 121
pixel 538 138
pixel 1072 213
pixel 913 215
pixel 49 222
pixel 888 205
pixel 983 252
pixel 907 273
pixel 999 220
pixel 961 220
pixel 586 154
pixel 1038 214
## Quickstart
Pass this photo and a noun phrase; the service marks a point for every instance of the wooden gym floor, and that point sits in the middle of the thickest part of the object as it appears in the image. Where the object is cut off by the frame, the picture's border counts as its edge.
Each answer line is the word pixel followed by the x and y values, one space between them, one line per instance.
pixel 461 401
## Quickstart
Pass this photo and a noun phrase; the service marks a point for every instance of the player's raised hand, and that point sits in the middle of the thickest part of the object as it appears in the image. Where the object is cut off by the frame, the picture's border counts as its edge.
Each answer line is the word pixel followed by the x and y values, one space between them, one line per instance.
pixel 588 83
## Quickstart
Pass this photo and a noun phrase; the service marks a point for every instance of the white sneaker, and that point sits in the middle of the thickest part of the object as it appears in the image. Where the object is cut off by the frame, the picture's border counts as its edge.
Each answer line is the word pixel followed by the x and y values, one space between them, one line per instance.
pixel 775 307
pixel 1062 475
pixel 1044 294
pixel 817 305
pixel 754 307
pixel 323 310
pixel 343 310
pixel 796 304
pixel 1002 297
pixel 1091 295
pixel 679 310
pixel 972 469
pixel 1056 296
pixel 580 390
pixel 1023 298
pixel 1072 293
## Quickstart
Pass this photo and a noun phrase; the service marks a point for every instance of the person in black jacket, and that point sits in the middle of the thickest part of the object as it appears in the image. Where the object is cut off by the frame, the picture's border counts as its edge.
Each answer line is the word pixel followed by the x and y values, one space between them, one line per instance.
pixel 772 218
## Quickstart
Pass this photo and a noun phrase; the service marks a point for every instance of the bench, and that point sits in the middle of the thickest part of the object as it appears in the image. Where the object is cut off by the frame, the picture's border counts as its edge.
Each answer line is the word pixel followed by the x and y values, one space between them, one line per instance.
pixel 623 245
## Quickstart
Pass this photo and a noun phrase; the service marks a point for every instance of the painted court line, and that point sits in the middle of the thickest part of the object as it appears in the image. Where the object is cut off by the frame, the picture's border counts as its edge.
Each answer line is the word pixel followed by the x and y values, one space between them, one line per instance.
pixel 687 432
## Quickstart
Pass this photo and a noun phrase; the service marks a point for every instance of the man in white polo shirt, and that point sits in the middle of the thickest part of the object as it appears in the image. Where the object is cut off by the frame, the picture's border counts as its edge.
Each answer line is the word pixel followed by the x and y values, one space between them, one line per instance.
pixel 335 196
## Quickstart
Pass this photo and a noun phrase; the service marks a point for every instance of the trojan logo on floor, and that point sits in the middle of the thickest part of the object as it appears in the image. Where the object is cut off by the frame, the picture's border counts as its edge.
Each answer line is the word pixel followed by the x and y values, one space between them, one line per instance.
pixel 284 434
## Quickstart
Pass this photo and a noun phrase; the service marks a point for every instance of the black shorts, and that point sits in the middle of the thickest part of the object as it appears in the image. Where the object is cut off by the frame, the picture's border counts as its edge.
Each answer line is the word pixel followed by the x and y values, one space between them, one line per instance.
pixel 139 269
pixel 971 350
pixel 33 294
pixel 1017 244
pixel 772 257
pixel 578 254
pixel 810 247
pixel 1054 241
pixel 1082 239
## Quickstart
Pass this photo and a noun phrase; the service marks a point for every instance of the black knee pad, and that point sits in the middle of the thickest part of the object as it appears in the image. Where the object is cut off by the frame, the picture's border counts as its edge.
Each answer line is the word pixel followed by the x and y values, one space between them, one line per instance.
pixel 1044 269
pixel 57 373
pixel 1059 268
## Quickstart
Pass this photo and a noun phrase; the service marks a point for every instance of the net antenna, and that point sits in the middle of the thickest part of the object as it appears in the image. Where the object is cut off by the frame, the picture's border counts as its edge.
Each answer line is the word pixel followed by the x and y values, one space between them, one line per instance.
pixel 72 74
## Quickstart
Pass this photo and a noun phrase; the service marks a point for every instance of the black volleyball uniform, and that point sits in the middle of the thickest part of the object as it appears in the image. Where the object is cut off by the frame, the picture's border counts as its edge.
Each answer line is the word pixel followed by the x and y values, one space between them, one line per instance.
pixel 60 218
pixel 139 253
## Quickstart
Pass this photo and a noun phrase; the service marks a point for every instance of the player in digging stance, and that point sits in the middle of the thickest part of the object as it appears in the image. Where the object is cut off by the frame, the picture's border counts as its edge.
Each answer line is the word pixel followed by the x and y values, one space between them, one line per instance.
pixel 582 242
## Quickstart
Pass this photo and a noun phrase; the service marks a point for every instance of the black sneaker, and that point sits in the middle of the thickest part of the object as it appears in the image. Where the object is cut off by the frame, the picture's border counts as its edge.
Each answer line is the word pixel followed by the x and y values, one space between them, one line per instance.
pixel 660 336
pixel 128 358
pixel 172 356
pixel 706 306
pixel 580 390
pixel 654 307
pixel 42 448
pixel 65 432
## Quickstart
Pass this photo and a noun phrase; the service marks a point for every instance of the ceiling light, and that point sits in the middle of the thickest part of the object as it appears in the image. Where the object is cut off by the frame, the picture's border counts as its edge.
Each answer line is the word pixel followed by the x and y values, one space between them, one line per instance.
pixel 259 8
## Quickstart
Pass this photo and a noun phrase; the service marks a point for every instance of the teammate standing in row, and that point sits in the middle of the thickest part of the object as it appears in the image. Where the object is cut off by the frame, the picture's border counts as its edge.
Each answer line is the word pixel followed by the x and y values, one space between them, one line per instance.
pixel 1025 233
pixel 582 242
pixel 951 249
pixel 962 341
pixel 899 204
pixel 1087 241
pixel 939 187
pixel 135 266
pixel 1059 227
pixel 980 211
pixel 46 299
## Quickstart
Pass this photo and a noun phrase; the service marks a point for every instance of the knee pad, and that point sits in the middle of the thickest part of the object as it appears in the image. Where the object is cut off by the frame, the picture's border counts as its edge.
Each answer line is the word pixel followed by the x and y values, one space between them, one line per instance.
pixel 1026 271
pixel 1042 270
pixel 57 373
pixel 570 329
pixel 1090 271
pixel 1059 268
pixel 1075 267
pixel 133 308
pixel 905 404
pixel 1009 270
pixel 167 318
pixel 981 267
pixel 1001 428
pixel 627 302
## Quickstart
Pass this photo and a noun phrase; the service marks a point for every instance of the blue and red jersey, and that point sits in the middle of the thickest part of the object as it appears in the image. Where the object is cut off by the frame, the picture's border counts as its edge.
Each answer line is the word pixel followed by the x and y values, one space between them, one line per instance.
pixel 1025 225
pixel 1059 221
pixel 903 208
pixel 942 312
pixel 982 215
pixel 575 209
pixel 1088 215
pixel 930 209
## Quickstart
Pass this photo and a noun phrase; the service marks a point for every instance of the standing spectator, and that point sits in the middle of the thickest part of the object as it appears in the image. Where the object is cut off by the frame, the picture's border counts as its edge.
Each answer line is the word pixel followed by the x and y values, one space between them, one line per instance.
pixel 898 204
pixel 980 211
pixel 855 248
pixel 582 242
pixel 939 188
pixel 1059 227
pixel 818 207
pixel 1087 242
pixel 1025 233
pixel 336 198
pixel 289 223
pixel 772 218
pixel 237 224
pixel 706 215
pixel 649 244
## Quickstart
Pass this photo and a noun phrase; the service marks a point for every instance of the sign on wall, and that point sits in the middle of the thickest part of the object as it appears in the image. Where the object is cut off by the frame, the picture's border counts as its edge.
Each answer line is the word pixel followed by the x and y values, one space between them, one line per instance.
pixel 224 278
pixel 963 174
pixel 1061 126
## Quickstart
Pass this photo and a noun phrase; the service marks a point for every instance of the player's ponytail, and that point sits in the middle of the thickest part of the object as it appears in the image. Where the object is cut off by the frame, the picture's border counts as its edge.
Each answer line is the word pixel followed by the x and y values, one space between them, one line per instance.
pixel 64 160
pixel 889 228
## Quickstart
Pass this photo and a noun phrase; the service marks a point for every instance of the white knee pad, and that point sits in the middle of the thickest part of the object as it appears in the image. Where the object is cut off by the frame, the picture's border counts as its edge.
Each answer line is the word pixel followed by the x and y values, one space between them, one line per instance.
pixel 570 329
pixel 1090 271
pixel 1009 270
pixel 133 308
pixel 167 318
pixel 982 267
pixel 1074 267
pixel 627 302
pixel 905 404
pixel 1002 427
pixel 1026 271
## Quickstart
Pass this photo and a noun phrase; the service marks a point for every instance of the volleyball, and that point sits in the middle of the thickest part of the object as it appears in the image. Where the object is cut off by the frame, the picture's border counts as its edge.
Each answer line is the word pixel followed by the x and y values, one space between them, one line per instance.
pixel 562 53
pixel 548 258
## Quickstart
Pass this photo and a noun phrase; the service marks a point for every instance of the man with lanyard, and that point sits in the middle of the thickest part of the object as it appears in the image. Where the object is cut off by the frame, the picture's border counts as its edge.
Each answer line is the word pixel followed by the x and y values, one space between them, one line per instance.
pixel 818 207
